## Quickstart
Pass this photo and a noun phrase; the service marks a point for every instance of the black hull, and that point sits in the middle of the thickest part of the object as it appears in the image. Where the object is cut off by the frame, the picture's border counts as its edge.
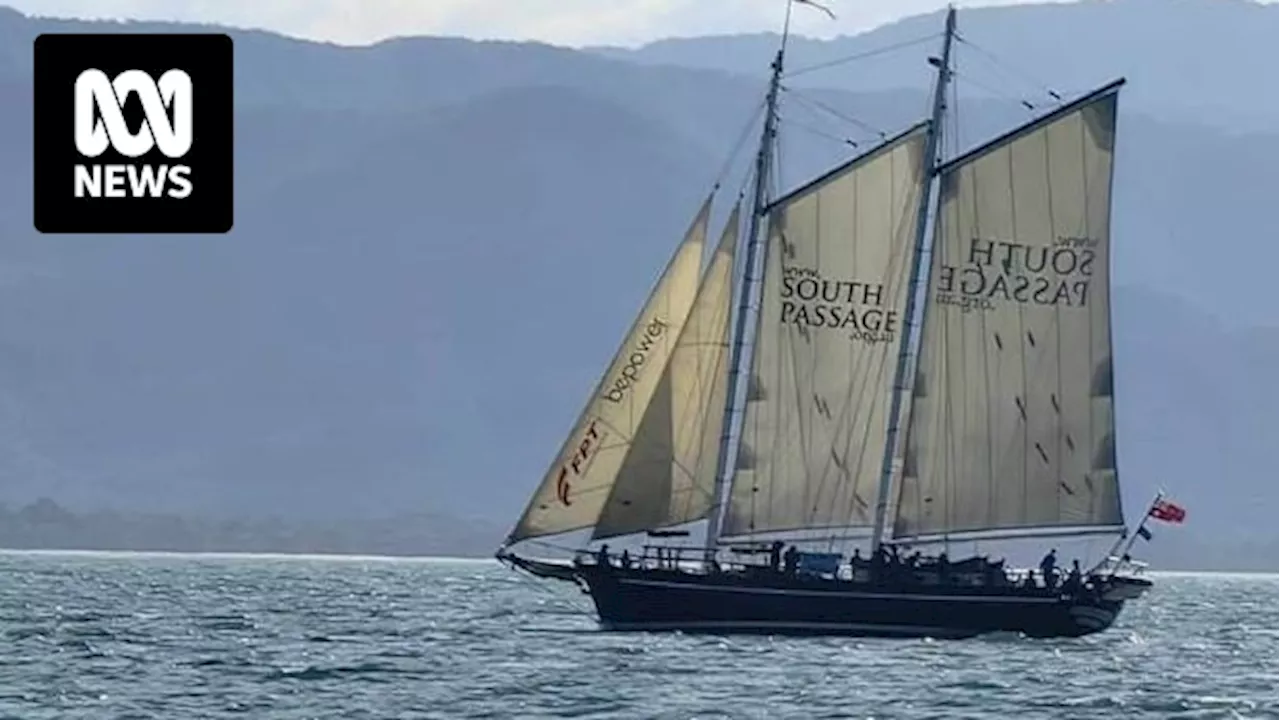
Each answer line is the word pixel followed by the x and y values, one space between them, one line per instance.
pixel 775 604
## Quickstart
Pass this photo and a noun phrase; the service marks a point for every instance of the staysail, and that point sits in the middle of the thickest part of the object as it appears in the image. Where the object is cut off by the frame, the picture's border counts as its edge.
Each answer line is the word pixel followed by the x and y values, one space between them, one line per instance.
pixel 834 286
pixel 668 477
pixel 1012 428
pixel 577 484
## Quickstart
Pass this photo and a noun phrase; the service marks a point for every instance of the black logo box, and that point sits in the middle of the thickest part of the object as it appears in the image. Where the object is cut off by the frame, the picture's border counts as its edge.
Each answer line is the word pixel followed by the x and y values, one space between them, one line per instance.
pixel 207 59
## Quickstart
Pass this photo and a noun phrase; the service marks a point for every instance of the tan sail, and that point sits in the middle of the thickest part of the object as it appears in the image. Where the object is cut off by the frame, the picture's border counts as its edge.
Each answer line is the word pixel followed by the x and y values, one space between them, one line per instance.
pixel 1012 425
pixel 578 482
pixel 833 294
pixel 668 477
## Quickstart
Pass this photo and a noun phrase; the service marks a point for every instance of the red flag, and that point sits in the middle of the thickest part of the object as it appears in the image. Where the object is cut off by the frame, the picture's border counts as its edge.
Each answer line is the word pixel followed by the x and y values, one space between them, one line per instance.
pixel 823 8
pixel 1168 512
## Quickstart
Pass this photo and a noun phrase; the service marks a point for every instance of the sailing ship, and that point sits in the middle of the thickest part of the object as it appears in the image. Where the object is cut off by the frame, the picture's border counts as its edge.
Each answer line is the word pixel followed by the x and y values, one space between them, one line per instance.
pixel 867 392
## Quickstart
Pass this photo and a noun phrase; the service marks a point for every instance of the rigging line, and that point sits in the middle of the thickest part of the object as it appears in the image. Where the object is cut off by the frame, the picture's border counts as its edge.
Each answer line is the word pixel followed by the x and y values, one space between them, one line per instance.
pixel 1019 393
pixel 823 120
pixel 956 141
pixel 869 394
pixel 739 415
pixel 743 187
pixel 811 102
pixel 795 419
pixel 906 223
pixel 954 453
pixel 808 426
pixel 700 416
pixel 927 416
pixel 988 430
pixel 775 175
pixel 738 145
pixel 553 546
pixel 937 418
pixel 1011 69
pixel 844 423
pixel 742 353
pixel 862 55
pixel 770 256
pixel 996 91
pixel 824 135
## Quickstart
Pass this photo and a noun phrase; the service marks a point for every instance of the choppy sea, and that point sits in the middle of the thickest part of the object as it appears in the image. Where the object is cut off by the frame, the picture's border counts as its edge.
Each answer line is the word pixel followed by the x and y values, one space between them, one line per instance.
pixel 185 637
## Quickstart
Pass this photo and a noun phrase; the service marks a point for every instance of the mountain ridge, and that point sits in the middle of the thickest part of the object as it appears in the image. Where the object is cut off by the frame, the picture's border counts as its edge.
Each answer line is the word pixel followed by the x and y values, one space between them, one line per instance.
pixel 1034 59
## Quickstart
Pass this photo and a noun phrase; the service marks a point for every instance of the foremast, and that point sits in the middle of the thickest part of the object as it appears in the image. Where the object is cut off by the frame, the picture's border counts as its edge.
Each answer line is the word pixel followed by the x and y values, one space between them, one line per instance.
pixel 747 288
pixel 909 346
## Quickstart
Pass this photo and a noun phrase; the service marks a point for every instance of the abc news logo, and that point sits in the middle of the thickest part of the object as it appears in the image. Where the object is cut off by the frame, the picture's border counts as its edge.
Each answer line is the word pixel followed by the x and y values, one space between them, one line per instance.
pixel 133 133
pixel 100 124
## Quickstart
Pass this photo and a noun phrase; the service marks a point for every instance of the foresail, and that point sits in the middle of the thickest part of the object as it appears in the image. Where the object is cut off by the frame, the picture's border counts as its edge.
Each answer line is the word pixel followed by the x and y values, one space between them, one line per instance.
pixel 1012 425
pixel 834 286
pixel 668 477
pixel 575 487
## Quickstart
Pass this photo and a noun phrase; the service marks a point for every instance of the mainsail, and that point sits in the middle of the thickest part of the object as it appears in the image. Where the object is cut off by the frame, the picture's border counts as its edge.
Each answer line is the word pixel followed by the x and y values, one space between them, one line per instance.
pixel 577 484
pixel 834 285
pixel 1012 426
pixel 668 477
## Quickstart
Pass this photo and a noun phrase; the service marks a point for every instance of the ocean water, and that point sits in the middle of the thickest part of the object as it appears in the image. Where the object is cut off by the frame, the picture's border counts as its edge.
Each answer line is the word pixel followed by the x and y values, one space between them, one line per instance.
pixel 109 637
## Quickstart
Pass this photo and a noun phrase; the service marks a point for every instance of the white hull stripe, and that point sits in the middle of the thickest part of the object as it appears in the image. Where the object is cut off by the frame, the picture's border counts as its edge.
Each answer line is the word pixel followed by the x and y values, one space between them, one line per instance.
pixel 839 594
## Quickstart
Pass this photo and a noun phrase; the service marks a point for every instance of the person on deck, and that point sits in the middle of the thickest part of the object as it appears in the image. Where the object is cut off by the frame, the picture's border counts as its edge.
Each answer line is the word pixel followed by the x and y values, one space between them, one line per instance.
pixel 626 559
pixel 1075 577
pixel 1048 568
pixel 775 555
pixel 886 564
pixel 792 559
pixel 993 572
pixel 602 556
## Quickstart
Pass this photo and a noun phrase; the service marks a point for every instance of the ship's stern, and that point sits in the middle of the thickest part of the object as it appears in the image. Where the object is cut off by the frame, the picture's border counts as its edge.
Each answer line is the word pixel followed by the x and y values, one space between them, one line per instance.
pixel 1100 614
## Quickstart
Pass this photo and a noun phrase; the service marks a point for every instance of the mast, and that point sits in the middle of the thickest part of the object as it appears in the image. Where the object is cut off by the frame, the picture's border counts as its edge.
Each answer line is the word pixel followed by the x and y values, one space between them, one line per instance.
pixel 908 348
pixel 764 159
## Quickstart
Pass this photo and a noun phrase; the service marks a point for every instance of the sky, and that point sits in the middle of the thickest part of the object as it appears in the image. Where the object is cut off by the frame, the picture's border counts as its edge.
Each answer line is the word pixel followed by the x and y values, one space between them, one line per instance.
pixel 562 22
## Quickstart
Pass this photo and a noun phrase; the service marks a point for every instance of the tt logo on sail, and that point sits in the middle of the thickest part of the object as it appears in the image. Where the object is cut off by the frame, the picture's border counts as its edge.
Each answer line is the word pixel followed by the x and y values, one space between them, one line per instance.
pixel 578 464
pixel 100 124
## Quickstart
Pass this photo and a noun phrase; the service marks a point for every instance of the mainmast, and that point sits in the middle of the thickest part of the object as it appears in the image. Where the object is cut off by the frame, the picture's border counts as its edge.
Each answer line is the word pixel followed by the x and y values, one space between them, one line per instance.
pixel 907 347
pixel 760 200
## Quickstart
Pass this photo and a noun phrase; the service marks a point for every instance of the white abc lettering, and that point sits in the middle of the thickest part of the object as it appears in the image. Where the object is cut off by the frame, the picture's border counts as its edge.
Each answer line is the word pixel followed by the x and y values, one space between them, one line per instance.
pixel 95 131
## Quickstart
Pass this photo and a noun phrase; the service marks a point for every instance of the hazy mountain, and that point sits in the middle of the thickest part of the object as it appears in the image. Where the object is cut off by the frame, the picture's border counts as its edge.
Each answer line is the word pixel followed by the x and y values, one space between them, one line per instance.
pixel 439 242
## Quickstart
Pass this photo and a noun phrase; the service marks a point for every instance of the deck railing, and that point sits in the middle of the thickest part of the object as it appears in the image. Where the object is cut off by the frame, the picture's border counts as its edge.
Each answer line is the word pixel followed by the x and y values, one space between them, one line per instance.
pixel 973 572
